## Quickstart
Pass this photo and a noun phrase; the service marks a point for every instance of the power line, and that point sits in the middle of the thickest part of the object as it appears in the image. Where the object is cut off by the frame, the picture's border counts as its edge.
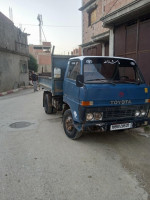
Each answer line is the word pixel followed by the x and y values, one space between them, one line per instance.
pixel 52 26
pixel 112 6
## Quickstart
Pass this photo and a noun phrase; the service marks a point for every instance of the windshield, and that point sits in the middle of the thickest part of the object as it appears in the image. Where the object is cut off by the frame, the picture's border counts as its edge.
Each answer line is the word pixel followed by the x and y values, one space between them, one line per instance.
pixel 108 69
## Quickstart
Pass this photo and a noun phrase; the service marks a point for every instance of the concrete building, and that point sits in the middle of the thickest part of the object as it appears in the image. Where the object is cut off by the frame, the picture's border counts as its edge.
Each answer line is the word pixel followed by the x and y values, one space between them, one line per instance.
pixel 117 28
pixel 13 56
pixel 43 55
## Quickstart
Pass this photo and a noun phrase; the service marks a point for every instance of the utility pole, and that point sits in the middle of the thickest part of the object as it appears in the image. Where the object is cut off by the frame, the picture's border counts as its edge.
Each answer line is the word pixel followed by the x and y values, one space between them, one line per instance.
pixel 39 18
pixel 10 14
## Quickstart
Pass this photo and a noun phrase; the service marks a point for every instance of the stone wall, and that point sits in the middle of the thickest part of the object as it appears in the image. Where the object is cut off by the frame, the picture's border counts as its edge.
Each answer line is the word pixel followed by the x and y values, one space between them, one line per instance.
pixel 11 75
pixel 13 55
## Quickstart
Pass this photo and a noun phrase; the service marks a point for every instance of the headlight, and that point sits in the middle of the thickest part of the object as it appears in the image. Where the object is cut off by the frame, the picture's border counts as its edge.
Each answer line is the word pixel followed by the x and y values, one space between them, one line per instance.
pixel 98 116
pixel 137 113
pixel 143 113
pixel 89 116
pixel 94 116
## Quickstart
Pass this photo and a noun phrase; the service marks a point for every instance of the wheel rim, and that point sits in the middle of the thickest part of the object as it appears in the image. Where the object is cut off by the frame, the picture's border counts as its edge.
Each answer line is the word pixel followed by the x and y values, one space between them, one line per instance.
pixel 69 124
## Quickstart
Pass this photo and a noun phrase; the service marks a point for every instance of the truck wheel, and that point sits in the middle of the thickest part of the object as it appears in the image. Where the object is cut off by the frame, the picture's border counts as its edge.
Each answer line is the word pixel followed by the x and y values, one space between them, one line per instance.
pixel 68 125
pixel 47 104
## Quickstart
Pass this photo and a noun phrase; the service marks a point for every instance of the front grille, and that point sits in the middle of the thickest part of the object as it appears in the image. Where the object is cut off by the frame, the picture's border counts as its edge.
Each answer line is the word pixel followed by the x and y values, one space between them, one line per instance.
pixel 118 112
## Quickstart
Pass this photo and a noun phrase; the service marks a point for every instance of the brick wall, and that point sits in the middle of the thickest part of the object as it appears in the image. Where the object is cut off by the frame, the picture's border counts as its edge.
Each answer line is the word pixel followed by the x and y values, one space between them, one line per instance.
pixel 46 44
pixel 112 5
pixel 95 29
pixel 42 56
pixel 103 8
pixel 44 59
pixel 77 51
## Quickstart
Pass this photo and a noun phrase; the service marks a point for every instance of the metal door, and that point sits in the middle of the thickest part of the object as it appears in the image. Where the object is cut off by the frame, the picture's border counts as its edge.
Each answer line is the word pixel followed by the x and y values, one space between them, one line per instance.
pixel 133 40
pixel 144 49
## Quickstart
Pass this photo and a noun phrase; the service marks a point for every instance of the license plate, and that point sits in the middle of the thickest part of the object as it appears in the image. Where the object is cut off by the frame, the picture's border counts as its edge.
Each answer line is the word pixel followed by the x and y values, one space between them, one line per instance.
pixel 121 126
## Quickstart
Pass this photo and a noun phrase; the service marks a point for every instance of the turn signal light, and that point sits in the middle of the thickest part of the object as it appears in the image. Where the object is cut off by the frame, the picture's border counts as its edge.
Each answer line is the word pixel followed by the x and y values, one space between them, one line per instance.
pixel 147 100
pixel 86 103
pixel 146 90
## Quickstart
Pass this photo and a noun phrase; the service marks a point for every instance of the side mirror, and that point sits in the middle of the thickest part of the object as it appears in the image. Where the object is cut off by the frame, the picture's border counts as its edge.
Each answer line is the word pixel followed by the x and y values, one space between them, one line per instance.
pixel 79 80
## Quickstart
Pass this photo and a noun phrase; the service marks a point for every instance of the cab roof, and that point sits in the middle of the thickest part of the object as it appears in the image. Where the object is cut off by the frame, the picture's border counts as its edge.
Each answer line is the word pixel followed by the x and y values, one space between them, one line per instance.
pixel 112 57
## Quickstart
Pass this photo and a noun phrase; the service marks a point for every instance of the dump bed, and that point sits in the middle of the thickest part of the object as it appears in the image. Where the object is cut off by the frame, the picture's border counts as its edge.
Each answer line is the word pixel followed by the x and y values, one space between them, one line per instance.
pixel 55 85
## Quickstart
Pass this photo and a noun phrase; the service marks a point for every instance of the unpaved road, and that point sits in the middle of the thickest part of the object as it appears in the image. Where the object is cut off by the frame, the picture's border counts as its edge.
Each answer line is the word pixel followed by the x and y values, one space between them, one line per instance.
pixel 38 162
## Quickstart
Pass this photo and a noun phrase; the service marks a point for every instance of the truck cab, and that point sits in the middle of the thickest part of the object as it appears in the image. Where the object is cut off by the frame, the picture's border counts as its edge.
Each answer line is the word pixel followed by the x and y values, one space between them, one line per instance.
pixel 103 93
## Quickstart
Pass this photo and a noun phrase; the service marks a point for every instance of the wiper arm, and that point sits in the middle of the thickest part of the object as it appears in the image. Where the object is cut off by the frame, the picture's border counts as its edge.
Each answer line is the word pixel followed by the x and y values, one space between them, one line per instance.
pixel 95 79
pixel 137 83
pixel 128 82
pixel 102 81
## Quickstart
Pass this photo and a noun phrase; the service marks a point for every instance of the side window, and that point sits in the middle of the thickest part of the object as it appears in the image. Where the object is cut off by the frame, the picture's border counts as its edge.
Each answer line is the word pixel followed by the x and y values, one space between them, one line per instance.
pixel 73 70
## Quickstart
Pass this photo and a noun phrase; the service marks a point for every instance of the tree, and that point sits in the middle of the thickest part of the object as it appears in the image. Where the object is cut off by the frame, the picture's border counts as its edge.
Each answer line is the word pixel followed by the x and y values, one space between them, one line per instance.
pixel 32 63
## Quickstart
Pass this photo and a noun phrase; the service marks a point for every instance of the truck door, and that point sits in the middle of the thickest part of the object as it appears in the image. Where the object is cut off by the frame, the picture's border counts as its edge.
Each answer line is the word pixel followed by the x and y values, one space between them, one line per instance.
pixel 71 91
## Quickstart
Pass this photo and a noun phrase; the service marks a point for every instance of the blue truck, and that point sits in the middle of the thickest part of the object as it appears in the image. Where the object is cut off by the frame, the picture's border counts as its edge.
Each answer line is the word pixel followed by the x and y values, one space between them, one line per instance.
pixel 96 93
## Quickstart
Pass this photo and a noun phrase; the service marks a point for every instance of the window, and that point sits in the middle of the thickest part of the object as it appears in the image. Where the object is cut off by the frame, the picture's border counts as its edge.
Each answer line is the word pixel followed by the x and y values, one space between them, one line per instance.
pixel 73 70
pixel 116 70
pixel 91 72
pixel 37 47
pixel 92 17
pixel 23 67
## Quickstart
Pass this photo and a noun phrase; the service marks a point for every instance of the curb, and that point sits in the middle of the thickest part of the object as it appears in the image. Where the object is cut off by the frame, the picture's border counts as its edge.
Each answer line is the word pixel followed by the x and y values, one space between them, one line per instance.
pixel 15 90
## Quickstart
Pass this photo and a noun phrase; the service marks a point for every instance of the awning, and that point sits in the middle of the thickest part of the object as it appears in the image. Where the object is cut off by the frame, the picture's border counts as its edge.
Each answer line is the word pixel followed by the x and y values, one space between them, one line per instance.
pixel 129 12
pixel 97 39
pixel 103 37
pixel 89 44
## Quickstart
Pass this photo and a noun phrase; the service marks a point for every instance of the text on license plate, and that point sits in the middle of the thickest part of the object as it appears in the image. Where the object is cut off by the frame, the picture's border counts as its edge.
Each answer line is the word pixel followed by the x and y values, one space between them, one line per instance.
pixel 121 126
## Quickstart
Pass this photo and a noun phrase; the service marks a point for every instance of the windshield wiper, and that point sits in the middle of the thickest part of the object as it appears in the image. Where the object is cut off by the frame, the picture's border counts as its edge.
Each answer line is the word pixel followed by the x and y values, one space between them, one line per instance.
pixel 128 82
pixel 102 81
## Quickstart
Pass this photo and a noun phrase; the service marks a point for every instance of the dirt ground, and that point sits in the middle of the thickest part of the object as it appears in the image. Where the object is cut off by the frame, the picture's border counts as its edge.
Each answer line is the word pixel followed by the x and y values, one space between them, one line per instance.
pixel 133 146
pixel 40 162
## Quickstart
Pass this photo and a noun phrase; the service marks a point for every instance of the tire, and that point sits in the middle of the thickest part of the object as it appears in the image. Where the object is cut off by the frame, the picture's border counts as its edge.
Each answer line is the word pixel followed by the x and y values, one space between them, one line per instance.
pixel 54 110
pixel 68 125
pixel 47 104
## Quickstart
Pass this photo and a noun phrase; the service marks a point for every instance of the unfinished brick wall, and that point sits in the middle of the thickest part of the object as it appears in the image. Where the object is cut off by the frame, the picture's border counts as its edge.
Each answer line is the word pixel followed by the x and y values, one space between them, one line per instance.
pixel 104 7
pixel 96 28
pixel 42 55
pixel 112 5
pixel 44 59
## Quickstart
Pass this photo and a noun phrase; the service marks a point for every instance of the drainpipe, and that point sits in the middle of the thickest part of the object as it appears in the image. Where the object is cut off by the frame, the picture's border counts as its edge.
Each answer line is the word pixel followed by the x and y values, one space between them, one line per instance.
pixel 111 42
pixel 103 49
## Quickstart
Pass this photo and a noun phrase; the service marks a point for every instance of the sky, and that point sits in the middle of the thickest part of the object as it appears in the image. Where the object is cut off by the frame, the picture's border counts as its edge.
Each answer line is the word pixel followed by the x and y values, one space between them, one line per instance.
pixel 61 21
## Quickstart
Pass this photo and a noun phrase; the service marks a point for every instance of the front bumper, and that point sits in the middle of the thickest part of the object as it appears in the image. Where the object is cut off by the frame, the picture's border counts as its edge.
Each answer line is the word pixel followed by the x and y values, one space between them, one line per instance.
pixel 113 113
pixel 105 125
